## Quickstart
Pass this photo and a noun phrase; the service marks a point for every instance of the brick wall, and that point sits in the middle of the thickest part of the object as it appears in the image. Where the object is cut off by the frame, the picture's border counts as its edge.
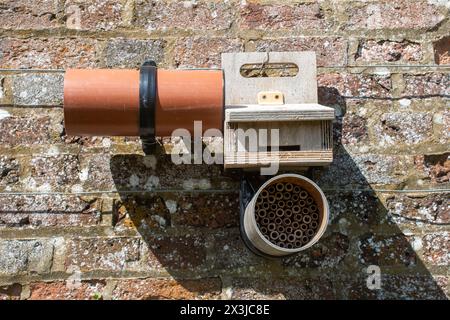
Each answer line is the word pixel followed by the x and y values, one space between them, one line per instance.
pixel 383 65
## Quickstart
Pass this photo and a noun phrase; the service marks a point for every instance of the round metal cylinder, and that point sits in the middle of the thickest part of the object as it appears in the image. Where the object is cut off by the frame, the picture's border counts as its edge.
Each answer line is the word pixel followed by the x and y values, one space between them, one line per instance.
pixel 105 102
pixel 264 245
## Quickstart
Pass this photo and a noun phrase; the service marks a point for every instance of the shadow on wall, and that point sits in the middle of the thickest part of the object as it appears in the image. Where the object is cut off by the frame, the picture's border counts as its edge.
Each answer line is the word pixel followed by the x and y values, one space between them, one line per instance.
pixel 191 231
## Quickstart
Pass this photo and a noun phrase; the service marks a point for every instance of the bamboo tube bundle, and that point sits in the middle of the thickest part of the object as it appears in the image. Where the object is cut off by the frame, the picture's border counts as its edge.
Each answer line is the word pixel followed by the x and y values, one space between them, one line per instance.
pixel 287 215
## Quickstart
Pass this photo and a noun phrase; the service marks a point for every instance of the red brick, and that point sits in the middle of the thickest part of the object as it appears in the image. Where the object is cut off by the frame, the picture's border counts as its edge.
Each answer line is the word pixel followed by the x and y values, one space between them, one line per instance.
pixel 354 129
pixel 47 211
pixel 203 52
pixel 327 253
pixel 60 290
pixel 140 211
pixel 312 288
pixel 93 14
pixel 20 130
pixel 97 173
pixel 398 287
pixel 372 51
pixel 131 53
pixel 26 256
pixel 29 14
pixel 55 172
pixel 435 166
pixel 329 51
pixel 414 287
pixel 402 14
pixel 97 143
pixel 442 51
pixel 187 15
pixel 386 250
pixel 190 210
pixel 156 289
pixel 195 210
pixel 279 17
pixel 353 85
pixel 176 252
pixel 427 84
pixel 10 292
pixel 437 248
pixel 403 127
pixel 111 254
pixel 37 89
pixel 364 169
pixel 364 207
pixel 432 208
pixel 230 252
pixel 9 171
pixel 163 174
pixel 48 53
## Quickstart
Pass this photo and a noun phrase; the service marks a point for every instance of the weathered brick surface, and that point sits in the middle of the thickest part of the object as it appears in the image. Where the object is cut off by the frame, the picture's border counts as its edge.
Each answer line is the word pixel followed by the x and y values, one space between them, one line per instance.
pixel 329 51
pixel 93 15
pixel 363 208
pixel 328 253
pixel 402 14
pixel 437 248
pixel 38 89
pixel 188 15
pixel 364 169
pixel 281 17
pixel 354 129
pixel 400 287
pixel 372 51
pixel 230 252
pixel 356 85
pixel 196 210
pixel 131 53
pixel 409 128
pixel 441 51
pixel 47 211
pixel 183 210
pixel 173 230
pixel 10 292
pixel 203 52
pixel 433 209
pixel 386 250
pixel 48 53
pixel 25 256
pixel 280 289
pixel 113 254
pixel 67 290
pixel 53 172
pixel 20 130
pixel 153 172
pixel 436 167
pixel 427 84
pixel 29 14
pixel 176 253
pixel 9 170
pixel 159 288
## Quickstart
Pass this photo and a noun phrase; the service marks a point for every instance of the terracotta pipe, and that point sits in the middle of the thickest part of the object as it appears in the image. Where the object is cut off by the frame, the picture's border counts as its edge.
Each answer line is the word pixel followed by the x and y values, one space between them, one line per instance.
pixel 102 102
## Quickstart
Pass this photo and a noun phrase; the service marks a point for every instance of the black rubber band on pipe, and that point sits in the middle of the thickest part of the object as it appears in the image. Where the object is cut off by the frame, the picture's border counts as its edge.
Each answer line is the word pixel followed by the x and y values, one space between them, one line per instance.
pixel 147 100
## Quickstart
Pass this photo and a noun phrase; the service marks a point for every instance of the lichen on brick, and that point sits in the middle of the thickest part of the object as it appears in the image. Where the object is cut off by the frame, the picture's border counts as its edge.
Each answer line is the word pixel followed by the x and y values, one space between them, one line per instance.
pixel 38 89
pixel 403 127
pixel 131 53
pixel 430 209
pixel 389 51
